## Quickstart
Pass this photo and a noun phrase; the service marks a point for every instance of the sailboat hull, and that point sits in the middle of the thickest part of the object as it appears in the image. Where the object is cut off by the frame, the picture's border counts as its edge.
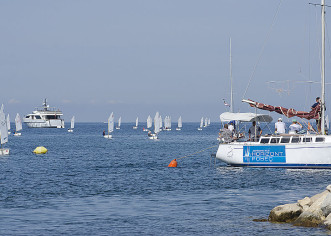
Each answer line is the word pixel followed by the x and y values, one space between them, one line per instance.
pixel 252 154
pixel 17 134
pixel 135 127
pixel 70 130
pixel 4 151
pixel 108 136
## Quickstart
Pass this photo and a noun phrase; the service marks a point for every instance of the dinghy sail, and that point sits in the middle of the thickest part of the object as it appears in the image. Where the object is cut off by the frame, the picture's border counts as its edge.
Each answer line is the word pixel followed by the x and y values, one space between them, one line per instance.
pixel 110 126
pixel 3 132
pixel 18 125
pixel 72 125
pixel 180 125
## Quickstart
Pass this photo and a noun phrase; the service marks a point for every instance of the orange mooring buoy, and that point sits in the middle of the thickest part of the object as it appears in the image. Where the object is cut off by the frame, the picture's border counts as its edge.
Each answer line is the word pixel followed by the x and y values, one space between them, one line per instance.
pixel 173 163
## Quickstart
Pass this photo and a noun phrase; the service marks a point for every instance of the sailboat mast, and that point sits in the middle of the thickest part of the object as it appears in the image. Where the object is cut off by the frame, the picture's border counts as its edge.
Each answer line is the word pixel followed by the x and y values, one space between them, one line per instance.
pixel 231 99
pixel 323 70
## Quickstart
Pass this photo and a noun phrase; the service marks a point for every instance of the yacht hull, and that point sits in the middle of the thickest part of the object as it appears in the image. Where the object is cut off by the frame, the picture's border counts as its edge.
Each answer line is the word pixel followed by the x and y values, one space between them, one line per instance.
pixel 44 123
pixel 252 154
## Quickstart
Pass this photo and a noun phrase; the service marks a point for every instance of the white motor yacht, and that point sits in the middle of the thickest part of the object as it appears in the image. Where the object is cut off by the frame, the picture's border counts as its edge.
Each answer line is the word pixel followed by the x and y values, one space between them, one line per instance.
pixel 44 117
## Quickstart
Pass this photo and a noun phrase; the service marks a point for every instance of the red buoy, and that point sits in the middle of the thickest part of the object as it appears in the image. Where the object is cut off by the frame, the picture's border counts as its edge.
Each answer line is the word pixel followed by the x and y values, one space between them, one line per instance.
pixel 173 163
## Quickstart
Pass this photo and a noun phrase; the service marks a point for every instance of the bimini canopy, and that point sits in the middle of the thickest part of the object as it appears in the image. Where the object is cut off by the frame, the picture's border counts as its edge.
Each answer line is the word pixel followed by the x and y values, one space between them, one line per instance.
pixel 244 117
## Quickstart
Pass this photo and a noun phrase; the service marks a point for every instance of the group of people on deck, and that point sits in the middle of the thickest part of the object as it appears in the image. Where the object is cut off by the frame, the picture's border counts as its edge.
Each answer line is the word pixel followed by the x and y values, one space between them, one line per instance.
pixel 227 133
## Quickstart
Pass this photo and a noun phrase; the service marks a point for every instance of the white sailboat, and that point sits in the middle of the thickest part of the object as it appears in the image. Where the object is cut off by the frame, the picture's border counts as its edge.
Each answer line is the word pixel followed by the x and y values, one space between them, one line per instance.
pixel 180 125
pixel 201 124
pixel 72 125
pixel 18 124
pixel 149 124
pixel 206 122
pixel 287 151
pixel 110 127
pixel 8 124
pixel 119 123
pixel 157 127
pixel 136 127
pixel 3 133
pixel 167 123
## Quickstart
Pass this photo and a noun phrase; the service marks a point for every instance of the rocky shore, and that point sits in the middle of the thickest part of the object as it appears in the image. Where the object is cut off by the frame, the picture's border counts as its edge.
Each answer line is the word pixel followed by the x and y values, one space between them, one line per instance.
pixel 309 212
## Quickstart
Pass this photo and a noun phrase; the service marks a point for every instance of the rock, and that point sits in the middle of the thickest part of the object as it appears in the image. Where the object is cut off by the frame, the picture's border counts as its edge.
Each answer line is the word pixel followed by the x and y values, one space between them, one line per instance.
pixel 309 219
pixel 327 222
pixel 313 216
pixel 317 196
pixel 326 205
pixel 328 188
pixel 285 213
pixel 305 203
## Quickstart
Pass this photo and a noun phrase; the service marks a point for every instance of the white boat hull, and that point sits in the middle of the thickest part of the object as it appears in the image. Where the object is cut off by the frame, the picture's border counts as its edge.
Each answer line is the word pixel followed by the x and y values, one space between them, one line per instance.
pixel 135 127
pixel 108 136
pixel 152 136
pixel 44 123
pixel 178 129
pixel 251 154
pixel 70 130
pixel 4 151
pixel 199 128
pixel 118 128
pixel 17 134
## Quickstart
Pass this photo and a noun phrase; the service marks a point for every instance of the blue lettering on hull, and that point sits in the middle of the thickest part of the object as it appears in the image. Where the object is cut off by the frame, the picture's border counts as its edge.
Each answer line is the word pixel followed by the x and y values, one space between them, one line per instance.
pixel 264 154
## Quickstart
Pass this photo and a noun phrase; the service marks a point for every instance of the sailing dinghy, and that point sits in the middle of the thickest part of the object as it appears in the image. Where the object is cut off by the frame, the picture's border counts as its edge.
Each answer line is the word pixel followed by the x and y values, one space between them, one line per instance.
pixel 72 125
pixel 3 133
pixel 8 124
pixel 201 124
pixel 110 126
pixel 180 125
pixel 136 127
pixel 119 123
pixel 18 125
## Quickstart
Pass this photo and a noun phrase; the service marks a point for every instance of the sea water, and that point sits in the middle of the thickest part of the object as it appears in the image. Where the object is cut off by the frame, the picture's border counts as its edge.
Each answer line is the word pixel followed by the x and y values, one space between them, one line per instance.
pixel 89 185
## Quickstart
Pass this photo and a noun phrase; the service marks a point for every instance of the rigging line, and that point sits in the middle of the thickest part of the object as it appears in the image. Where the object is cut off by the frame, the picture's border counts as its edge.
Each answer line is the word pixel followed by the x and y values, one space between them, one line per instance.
pixel 197 152
pixel 327 36
pixel 262 49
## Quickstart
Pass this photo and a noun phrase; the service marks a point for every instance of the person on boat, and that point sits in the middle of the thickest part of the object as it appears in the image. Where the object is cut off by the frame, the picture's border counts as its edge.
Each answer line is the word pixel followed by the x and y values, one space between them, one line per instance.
pixel 295 127
pixel 318 121
pixel 254 132
pixel 231 126
pixel 103 133
pixel 225 134
pixel 280 126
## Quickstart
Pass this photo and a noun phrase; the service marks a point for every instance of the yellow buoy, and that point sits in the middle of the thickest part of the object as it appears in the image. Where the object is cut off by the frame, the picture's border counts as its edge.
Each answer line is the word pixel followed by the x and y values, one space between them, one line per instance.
pixel 40 150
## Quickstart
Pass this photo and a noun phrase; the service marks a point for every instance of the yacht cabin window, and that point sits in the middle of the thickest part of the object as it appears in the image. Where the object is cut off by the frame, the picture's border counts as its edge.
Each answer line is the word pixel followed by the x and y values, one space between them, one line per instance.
pixel 38 117
pixel 274 140
pixel 306 140
pixel 319 139
pixel 285 140
pixel 296 140
pixel 264 140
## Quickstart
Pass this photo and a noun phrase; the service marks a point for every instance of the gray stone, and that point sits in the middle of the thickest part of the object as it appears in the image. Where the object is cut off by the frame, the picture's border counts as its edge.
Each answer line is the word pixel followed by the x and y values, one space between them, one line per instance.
pixel 327 222
pixel 306 202
pixel 326 205
pixel 309 219
pixel 285 213
pixel 328 188
pixel 317 196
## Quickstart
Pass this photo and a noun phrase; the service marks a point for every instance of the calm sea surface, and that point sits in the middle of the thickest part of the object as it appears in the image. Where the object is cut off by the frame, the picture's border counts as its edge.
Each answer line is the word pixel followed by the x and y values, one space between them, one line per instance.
pixel 88 185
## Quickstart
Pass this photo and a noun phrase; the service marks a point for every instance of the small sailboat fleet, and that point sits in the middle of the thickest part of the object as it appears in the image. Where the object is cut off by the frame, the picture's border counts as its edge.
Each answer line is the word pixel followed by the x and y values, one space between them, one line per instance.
pixel 136 127
pixel 3 133
pixel 110 127
pixel 18 125
pixel 72 125
pixel 180 124
pixel 119 123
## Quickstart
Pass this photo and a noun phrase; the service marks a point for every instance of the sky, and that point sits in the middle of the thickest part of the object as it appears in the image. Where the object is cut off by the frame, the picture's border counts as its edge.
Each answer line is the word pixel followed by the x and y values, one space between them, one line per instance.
pixel 136 57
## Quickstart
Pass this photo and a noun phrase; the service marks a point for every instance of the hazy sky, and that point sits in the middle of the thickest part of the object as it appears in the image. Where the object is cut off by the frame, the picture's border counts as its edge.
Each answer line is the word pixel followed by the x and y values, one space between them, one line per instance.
pixel 136 57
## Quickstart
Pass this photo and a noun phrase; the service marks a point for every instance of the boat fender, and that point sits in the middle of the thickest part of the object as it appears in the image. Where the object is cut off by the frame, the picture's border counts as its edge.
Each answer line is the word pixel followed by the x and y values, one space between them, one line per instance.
pixel 40 150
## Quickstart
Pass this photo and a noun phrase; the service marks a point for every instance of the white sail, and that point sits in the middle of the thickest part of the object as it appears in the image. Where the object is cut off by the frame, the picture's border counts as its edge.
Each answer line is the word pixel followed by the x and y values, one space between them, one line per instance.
pixel 149 122
pixel 206 122
pixel 137 122
pixel 180 125
pixel 157 122
pixel 3 127
pixel 119 122
pixel 160 122
pixel 18 122
pixel 111 123
pixel 8 122
pixel 72 125
pixel 209 121
pixel 201 122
